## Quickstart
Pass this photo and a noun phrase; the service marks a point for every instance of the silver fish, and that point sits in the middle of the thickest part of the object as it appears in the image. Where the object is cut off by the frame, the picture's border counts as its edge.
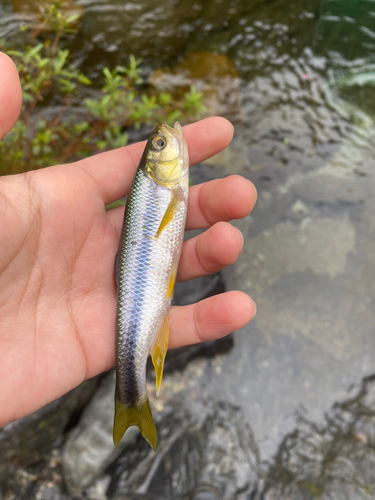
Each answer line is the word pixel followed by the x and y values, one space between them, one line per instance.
pixel 145 274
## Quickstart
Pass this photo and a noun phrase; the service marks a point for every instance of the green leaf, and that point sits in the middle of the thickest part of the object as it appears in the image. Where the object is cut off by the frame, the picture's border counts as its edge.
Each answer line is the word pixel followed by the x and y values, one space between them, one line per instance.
pixel 107 74
pixel 71 19
pixel 83 79
pixel 41 124
pixel 27 96
pixel 61 60
pixel 15 53
pixel 33 52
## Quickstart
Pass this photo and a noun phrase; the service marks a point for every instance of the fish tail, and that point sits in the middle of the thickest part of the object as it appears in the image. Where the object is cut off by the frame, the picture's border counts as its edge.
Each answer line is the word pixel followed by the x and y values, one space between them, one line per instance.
pixel 140 416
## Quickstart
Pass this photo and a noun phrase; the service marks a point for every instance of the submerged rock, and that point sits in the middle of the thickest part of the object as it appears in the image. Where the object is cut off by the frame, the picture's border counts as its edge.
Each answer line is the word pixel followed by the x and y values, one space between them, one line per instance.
pixel 204 454
pixel 89 448
pixel 30 458
pixel 331 460
pixel 214 75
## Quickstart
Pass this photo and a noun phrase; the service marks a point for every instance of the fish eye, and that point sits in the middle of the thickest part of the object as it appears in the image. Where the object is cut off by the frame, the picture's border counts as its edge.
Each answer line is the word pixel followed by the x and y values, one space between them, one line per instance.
pixel 158 143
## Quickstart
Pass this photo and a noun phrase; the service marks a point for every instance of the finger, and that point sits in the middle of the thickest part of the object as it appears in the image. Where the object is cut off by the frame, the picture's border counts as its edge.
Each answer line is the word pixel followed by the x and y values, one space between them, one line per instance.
pixel 210 252
pixel 209 319
pixel 207 205
pixel 207 253
pixel 10 94
pixel 223 199
pixel 114 171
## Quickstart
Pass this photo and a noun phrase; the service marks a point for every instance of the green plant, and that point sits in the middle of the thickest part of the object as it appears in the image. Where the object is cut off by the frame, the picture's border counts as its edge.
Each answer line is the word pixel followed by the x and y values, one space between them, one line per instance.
pixel 73 129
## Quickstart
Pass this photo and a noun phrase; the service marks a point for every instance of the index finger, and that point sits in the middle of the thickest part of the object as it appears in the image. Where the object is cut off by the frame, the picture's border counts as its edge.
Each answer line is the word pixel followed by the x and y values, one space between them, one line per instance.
pixel 113 171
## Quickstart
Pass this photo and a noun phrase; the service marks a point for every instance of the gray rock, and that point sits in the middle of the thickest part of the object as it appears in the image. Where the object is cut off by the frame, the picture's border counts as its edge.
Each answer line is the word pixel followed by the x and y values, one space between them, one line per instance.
pixel 205 452
pixel 333 460
pixel 89 447
pixel 30 459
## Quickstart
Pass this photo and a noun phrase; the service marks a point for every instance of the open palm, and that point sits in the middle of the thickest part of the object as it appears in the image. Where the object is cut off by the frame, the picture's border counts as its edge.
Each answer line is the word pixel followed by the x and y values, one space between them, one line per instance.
pixel 57 303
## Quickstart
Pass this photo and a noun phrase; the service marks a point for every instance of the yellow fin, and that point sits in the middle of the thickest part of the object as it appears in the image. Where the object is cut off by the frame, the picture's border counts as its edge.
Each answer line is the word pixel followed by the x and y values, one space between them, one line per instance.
pixel 172 282
pixel 140 416
pixel 169 213
pixel 159 351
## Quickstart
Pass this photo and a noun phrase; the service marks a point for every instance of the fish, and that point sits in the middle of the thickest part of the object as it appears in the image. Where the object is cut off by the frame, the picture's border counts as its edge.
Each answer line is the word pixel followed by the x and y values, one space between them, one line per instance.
pixel 145 274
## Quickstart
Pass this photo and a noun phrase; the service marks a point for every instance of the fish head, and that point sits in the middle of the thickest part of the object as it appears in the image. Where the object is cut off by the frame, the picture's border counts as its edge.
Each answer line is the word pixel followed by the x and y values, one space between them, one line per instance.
pixel 166 155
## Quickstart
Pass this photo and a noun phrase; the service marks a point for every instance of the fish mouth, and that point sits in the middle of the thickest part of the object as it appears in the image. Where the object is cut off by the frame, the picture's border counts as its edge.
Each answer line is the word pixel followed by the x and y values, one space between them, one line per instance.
pixel 176 130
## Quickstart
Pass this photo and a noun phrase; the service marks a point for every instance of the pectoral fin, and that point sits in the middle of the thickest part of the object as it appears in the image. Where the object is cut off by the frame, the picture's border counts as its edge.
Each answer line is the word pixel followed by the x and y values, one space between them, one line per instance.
pixel 159 351
pixel 169 213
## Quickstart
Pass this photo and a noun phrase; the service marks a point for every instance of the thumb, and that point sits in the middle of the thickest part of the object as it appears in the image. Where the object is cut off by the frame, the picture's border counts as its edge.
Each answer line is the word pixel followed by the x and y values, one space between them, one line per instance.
pixel 10 94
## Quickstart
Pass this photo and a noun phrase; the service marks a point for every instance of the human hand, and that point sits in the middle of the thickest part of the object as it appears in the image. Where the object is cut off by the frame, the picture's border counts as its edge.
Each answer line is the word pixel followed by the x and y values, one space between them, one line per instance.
pixel 57 303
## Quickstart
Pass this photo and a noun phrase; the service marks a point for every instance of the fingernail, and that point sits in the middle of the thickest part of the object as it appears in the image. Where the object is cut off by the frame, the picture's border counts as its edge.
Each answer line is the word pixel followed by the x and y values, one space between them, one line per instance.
pixel 242 239
pixel 255 307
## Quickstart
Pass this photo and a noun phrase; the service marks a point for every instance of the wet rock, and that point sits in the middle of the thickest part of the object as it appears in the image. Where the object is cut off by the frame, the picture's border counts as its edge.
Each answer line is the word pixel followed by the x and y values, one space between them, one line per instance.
pixel 89 448
pixel 179 358
pixel 192 291
pixel 214 75
pixel 205 493
pixel 210 454
pixel 345 178
pixel 132 496
pixel 331 460
pixel 31 447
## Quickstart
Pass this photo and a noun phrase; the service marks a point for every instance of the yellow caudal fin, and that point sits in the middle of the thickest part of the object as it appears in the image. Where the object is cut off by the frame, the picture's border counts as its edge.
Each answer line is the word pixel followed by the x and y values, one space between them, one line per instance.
pixel 140 416
pixel 159 351
pixel 169 213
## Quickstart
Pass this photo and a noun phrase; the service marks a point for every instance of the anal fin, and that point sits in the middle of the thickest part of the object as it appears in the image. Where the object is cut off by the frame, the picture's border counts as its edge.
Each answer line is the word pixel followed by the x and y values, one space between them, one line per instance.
pixel 159 351
pixel 172 282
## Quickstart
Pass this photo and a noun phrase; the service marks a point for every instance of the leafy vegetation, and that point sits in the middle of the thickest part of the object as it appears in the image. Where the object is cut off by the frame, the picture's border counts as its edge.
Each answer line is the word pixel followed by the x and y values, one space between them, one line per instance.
pixel 77 127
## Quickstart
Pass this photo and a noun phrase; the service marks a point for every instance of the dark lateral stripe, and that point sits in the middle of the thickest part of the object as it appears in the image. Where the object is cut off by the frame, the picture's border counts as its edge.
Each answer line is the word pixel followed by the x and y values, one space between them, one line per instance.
pixel 130 390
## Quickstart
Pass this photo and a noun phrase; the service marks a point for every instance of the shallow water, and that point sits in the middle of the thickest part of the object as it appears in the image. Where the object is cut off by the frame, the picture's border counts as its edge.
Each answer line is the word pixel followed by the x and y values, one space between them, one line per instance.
pixel 298 418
